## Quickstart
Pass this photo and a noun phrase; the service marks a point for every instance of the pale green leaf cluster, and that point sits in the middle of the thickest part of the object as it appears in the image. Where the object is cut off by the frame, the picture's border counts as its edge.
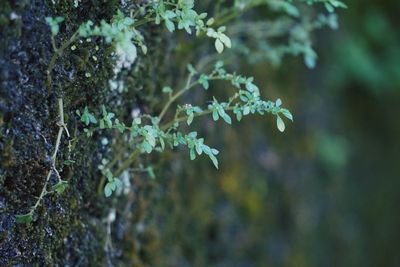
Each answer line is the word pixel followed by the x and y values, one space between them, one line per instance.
pixel 121 32
pixel 148 134
pixel 113 183
pixel 25 218
pixel 181 15
pixel 295 23
pixel 146 137
pixel 265 40
pixel 54 24
pixel 221 39
pixel 60 186
pixel 330 5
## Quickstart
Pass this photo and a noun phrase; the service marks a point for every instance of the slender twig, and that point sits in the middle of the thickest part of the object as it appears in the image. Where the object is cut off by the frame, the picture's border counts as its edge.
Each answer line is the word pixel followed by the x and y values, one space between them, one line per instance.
pixel 53 168
pixel 142 22
pixel 136 153
pixel 57 53
pixel 53 43
pixel 184 118
pixel 176 96
pixel 233 13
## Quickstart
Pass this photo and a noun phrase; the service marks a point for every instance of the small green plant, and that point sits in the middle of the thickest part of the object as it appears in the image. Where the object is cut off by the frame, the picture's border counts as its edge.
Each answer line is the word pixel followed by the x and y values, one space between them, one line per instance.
pixel 183 14
pixel 112 182
pixel 148 133
pixel 54 24
pixel 61 185
pixel 151 133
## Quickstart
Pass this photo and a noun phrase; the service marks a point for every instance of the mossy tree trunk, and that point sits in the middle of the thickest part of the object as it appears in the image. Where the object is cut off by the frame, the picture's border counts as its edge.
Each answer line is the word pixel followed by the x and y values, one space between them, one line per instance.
pixel 70 229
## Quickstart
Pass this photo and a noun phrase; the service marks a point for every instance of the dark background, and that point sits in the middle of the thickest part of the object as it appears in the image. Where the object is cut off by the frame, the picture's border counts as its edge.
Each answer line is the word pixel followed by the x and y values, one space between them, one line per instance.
pixel 325 192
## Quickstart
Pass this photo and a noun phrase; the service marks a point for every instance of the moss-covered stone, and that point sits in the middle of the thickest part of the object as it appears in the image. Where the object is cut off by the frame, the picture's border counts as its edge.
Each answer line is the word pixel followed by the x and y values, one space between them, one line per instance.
pixel 68 229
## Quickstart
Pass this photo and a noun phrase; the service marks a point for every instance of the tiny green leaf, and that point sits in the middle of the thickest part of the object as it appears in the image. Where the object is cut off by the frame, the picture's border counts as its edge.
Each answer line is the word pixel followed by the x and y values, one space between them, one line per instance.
pixel 151 173
pixel 167 89
pixel 190 119
pixel 219 46
pixel 214 160
pixel 226 40
pixel 280 124
pixel 246 110
pixel 215 115
pixel 69 162
pixel 60 187
pixel 192 154
pixel 287 114
pixel 108 190
pixel 102 125
pixel 24 218
pixel 227 118
pixel 170 25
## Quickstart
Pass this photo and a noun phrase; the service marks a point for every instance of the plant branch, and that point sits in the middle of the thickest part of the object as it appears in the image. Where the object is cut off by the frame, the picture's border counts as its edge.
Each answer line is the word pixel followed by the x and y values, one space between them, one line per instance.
pixel 142 22
pixel 57 53
pixel 61 129
pixel 177 95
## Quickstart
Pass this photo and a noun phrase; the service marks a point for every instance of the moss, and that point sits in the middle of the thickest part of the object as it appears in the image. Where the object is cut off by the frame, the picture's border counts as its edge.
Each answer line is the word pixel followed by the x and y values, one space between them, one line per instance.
pixel 68 228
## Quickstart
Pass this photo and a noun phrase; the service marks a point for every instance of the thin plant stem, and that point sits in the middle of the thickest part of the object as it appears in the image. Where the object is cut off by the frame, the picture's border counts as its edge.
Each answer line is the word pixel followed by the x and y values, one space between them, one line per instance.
pixel 61 129
pixel 57 53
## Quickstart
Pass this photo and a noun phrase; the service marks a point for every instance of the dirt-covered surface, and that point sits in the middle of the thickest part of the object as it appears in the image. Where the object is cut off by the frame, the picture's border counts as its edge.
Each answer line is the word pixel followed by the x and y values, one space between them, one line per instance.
pixel 68 229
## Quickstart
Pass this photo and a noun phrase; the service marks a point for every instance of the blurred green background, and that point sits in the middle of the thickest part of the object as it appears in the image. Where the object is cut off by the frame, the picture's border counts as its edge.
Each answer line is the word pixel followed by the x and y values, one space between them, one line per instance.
pixel 325 192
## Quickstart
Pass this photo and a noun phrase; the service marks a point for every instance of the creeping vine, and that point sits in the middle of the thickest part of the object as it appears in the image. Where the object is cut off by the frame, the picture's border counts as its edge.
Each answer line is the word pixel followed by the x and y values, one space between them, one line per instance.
pixel 148 133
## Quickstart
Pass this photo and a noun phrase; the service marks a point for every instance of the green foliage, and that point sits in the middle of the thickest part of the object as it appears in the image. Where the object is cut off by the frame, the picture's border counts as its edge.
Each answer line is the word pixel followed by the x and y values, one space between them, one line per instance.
pixel 221 39
pixel 331 5
pixel 24 218
pixel 183 14
pixel 265 39
pixel 54 24
pixel 86 117
pixel 111 186
pixel 147 133
pixel 60 186
pixel 121 32
pixel 150 133
pixel 113 183
pixel 69 162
